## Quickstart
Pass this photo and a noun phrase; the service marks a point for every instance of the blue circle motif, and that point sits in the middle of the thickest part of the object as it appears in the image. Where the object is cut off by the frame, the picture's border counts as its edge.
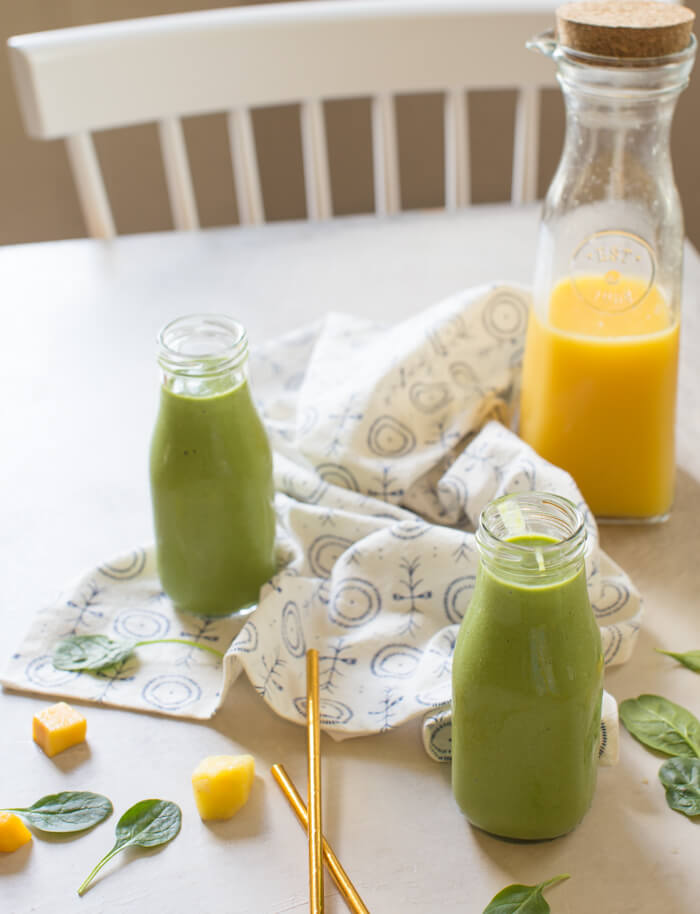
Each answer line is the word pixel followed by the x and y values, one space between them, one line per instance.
pixel 388 437
pixel 457 597
pixel 292 631
pixel 437 695
pixel 612 598
pixel 336 474
pixel 41 672
pixel 396 661
pixel 429 397
pixel 505 315
pixel 141 624
pixel 463 375
pixel 355 603
pixel 126 566
pixel 171 692
pixel 409 529
pixel 331 712
pixel 441 741
pixel 246 641
pixel 325 551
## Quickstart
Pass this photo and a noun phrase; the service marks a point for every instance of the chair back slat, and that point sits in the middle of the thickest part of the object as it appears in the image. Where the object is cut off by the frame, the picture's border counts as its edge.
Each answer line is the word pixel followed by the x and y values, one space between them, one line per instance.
pixel 92 195
pixel 315 157
pixel 72 82
pixel 177 174
pixel 246 177
pixel 526 145
pixel 385 156
pixel 457 158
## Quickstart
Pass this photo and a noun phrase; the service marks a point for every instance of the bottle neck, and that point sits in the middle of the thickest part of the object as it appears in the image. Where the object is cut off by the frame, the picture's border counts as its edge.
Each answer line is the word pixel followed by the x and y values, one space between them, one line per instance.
pixel 202 355
pixel 533 538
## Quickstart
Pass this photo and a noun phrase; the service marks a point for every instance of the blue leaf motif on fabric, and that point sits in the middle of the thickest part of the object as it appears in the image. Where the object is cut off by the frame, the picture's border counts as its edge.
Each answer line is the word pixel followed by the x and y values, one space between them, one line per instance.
pixel 330 712
pixel 612 599
pixel 41 672
pixel 505 315
pixel 246 642
pixel 355 602
pixel 292 631
pixel 429 397
pixel 324 553
pixel 336 474
pixel 388 437
pixel 171 692
pixel 396 661
pixel 126 567
pixel 457 597
pixel 141 624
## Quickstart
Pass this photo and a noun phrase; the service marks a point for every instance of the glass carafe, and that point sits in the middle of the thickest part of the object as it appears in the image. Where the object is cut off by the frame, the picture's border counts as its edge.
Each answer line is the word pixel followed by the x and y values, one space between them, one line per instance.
pixel 600 367
pixel 211 471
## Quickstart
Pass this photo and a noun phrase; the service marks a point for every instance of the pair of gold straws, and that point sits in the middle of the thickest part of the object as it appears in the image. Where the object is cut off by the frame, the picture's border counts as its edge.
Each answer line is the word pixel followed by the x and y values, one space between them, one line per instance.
pixel 320 850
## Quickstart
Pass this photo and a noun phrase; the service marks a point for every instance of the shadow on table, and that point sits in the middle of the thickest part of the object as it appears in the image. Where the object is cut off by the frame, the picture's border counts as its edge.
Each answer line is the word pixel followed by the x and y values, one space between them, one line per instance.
pixel 16 861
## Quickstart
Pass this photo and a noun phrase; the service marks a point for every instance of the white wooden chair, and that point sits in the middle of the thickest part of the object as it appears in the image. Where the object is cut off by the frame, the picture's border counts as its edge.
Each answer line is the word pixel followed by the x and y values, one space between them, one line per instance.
pixel 71 82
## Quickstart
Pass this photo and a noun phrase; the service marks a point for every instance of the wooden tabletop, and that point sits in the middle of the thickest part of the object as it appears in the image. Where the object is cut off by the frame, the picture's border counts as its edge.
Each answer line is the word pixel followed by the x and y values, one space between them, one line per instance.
pixel 78 370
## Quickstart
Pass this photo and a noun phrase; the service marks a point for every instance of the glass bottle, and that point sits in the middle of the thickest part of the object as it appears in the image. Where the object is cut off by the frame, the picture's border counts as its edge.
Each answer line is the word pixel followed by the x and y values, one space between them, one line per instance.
pixel 211 470
pixel 527 674
pixel 600 366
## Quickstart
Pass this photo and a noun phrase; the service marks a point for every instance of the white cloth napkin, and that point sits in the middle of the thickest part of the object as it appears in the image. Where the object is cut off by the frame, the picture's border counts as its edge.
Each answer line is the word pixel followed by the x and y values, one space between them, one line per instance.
pixel 387 447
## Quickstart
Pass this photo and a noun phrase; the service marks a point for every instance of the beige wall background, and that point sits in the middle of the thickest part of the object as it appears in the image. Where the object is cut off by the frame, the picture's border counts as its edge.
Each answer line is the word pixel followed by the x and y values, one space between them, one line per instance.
pixel 38 200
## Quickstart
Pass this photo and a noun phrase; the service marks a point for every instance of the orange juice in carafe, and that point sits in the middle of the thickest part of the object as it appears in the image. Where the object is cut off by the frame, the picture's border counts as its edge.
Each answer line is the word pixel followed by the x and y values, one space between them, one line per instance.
pixel 599 392
pixel 601 356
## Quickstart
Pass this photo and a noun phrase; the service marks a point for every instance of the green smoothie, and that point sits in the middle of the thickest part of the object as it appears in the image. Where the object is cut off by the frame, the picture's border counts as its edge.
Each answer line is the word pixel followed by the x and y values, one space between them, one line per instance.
pixel 212 491
pixel 526 697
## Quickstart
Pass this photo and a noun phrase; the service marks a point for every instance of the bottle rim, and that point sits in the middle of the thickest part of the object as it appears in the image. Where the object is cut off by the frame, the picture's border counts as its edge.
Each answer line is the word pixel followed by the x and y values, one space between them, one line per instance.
pixel 531 514
pixel 202 345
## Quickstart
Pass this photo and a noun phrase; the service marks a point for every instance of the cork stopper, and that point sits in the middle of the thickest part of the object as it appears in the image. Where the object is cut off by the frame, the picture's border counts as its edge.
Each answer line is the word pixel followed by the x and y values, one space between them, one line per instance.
pixel 625 28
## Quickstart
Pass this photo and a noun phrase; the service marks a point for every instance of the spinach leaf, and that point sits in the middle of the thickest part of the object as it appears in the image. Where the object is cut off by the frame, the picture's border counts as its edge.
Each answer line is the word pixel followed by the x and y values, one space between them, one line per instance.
pixel 691 659
pixel 148 823
pixel 662 725
pixel 681 778
pixel 522 899
pixel 92 653
pixel 70 811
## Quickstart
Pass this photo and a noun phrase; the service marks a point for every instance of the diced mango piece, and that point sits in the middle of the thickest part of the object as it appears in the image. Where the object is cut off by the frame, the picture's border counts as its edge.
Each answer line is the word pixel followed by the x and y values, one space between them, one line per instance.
pixel 13 832
pixel 58 727
pixel 221 784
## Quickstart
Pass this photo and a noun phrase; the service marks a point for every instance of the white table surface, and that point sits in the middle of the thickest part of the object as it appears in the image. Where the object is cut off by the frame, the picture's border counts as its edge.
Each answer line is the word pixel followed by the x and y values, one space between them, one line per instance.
pixel 78 370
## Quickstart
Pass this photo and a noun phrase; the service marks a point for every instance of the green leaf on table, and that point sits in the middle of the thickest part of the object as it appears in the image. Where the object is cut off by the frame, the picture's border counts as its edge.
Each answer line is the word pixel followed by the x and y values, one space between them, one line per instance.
pixel 70 811
pixel 90 652
pixel 662 725
pixel 681 778
pixel 691 659
pixel 522 899
pixel 148 823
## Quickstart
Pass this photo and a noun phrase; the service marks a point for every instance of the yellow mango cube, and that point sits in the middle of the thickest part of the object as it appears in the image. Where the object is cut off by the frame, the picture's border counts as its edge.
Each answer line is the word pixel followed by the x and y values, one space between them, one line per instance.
pixel 13 832
pixel 58 727
pixel 221 784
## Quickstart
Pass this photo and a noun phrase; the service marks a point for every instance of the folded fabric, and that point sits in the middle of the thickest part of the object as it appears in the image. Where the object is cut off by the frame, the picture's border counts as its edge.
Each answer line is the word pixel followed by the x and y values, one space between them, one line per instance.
pixel 388 443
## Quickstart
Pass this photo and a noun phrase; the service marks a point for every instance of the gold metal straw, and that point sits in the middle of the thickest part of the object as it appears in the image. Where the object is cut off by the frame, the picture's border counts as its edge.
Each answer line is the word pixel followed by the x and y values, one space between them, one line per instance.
pixel 340 877
pixel 313 748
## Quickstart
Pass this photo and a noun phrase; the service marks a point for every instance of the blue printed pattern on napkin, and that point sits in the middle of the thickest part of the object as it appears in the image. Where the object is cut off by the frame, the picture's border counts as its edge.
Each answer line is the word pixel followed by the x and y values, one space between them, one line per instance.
pixel 388 443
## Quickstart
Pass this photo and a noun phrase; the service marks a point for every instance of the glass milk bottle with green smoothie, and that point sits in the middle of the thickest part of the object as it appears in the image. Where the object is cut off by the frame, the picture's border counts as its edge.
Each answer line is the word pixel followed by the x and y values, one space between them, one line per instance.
pixel 527 675
pixel 211 471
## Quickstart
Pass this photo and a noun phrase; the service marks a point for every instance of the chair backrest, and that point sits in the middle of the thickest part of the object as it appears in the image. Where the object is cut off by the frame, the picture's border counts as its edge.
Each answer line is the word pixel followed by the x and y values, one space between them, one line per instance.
pixel 73 81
